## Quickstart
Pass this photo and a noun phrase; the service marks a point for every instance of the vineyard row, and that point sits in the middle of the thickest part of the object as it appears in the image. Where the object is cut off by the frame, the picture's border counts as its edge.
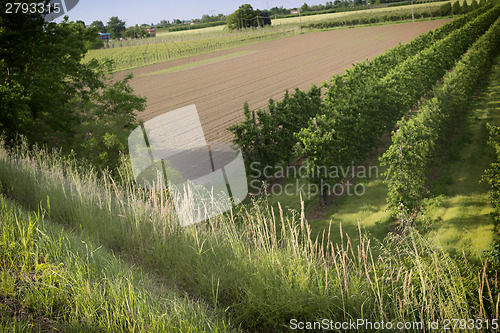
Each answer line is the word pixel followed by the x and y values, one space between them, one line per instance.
pixel 346 123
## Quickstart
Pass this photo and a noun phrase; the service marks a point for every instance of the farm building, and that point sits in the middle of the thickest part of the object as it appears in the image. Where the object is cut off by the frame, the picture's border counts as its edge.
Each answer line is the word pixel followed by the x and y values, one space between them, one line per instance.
pixel 104 36
pixel 151 32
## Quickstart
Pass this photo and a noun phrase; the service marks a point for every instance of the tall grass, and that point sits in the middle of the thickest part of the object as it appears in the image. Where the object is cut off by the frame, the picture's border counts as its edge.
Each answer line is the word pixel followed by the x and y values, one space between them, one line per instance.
pixel 51 280
pixel 262 267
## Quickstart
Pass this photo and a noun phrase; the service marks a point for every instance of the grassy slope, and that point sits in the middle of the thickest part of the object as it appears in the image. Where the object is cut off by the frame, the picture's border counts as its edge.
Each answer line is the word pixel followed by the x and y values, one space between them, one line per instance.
pixel 261 269
pixel 459 216
pixel 52 280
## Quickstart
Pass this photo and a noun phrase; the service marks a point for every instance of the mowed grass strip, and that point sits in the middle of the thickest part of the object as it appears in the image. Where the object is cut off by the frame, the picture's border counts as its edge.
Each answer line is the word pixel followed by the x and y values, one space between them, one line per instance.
pixel 201 62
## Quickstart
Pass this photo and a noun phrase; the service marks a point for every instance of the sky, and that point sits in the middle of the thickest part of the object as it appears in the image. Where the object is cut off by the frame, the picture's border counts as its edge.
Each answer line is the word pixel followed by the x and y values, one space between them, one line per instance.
pixel 153 11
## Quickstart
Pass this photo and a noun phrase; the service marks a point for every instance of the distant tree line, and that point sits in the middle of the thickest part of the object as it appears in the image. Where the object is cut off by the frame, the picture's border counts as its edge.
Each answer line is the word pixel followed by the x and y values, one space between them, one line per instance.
pixel 117 29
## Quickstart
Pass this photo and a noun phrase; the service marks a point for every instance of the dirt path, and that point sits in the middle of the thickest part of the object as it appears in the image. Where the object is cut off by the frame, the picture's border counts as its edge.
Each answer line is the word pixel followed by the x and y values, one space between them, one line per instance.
pixel 258 72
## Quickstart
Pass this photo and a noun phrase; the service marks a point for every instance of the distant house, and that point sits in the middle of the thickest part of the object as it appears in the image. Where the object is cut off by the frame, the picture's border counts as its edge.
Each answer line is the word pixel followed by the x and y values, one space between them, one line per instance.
pixel 294 11
pixel 151 32
pixel 104 36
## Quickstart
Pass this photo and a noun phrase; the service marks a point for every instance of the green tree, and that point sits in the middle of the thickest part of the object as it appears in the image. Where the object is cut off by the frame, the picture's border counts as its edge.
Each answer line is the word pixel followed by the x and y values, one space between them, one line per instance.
pixel 456 9
pixel 243 17
pixel 49 95
pixel 482 3
pixel 134 32
pixel 445 9
pixel 304 8
pixel 474 5
pixel 465 7
pixel 99 26
pixel 89 35
pixel 116 27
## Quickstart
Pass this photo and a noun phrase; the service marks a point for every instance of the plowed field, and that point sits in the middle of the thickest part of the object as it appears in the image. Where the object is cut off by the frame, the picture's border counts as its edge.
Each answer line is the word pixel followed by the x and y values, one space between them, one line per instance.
pixel 219 83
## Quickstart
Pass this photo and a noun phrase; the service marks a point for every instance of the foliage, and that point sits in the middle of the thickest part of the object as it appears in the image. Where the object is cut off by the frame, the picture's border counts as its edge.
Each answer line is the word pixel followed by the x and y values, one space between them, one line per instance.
pixel 465 7
pixel 88 34
pixel 105 121
pixel 136 32
pixel 196 26
pixel 47 93
pixel 116 27
pixel 142 52
pixel 99 26
pixel 419 140
pixel 445 9
pixel 367 101
pixel 492 175
pixel 270 141
pixel 456 9
pixel 257 266
pixel 246 17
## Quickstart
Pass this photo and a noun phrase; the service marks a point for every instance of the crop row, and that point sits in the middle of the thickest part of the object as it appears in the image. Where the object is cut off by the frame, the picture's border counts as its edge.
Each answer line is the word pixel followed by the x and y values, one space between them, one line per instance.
pixel 343 85
pixel 351 128
pixel 376 17
pixel 419 139
pixel 349 98
pixel 161 50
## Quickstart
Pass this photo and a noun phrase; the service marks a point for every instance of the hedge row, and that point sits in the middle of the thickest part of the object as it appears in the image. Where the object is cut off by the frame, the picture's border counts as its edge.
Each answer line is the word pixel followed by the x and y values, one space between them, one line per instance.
pixel 492 175
pixel 352 126
pixel 362 74
pixel 445 9
pixel 267 136
pixel 270 141
pixel 377 18
pixel 419 140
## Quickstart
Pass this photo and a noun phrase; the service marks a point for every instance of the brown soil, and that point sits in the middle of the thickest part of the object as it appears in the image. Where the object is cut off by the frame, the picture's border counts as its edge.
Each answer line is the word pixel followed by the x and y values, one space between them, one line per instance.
pixel 219 89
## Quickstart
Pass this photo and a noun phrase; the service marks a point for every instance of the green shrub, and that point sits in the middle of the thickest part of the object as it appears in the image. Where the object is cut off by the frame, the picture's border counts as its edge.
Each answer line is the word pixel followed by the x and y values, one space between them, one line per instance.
pixel 419 139
pixel 456 9
pixel 492 175
pixel 465 7
pixel 445 9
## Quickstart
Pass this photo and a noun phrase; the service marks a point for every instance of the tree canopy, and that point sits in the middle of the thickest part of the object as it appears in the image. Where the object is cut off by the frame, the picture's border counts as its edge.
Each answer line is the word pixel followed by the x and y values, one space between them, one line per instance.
pixel 116 27
pixel 246 17
pixel 50 97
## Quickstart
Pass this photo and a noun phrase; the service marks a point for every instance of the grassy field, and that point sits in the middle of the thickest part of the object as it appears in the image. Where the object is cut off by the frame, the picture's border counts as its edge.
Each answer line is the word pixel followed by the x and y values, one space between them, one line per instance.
pixel 460 217
pixel 83 250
